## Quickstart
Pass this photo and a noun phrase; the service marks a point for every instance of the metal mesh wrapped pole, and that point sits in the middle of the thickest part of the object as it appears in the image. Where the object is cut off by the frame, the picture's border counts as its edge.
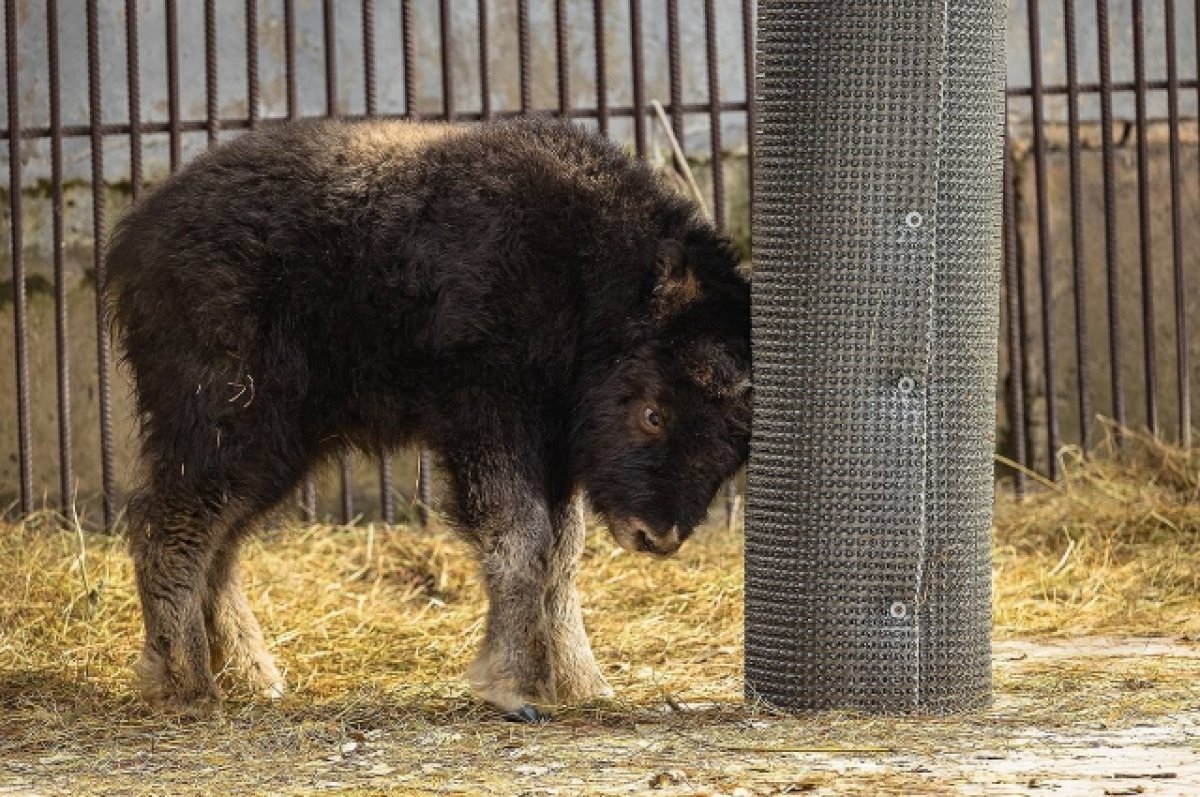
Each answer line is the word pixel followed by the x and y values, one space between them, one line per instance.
pixel 877 246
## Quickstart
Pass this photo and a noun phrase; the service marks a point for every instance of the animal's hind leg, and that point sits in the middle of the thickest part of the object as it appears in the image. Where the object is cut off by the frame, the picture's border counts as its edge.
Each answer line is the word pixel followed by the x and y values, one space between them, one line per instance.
pixel 173 539
pixel 235 639
pixel 577 677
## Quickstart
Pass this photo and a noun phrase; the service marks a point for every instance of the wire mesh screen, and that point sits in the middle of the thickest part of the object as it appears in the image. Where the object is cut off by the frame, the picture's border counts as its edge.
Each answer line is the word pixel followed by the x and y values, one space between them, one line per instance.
pixel 877 251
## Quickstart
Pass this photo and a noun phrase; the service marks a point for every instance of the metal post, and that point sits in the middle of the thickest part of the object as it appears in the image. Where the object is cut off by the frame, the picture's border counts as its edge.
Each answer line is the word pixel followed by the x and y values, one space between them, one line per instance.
pixel 877 252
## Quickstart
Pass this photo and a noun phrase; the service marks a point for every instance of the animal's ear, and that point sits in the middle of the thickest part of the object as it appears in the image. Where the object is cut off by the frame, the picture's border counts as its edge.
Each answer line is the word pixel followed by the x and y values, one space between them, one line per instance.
pixel 675 284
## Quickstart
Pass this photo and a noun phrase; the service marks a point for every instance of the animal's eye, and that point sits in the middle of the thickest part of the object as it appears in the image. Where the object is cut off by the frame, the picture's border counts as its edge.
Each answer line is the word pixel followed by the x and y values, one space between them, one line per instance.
pixel 651 421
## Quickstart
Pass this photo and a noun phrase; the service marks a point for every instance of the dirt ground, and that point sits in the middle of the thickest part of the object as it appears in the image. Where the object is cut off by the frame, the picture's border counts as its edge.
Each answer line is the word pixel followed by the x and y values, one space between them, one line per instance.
pixel 1097 671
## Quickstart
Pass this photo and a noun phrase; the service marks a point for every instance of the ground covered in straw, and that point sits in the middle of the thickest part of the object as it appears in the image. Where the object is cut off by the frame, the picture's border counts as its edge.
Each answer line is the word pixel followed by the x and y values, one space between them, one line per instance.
pixel 1097 669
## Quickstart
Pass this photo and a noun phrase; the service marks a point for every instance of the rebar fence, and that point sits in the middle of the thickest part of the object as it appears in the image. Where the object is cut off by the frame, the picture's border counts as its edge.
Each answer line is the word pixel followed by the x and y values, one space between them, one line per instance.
pixel 105 98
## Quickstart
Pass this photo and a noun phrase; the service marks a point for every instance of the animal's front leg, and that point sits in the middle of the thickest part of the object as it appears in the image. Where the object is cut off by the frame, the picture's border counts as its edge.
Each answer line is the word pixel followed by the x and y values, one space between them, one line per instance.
pixel 514 671
pixel 577 678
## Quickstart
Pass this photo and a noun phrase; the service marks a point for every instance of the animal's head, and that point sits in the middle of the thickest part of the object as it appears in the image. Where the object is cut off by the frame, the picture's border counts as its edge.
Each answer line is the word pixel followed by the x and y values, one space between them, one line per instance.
pixel 667 422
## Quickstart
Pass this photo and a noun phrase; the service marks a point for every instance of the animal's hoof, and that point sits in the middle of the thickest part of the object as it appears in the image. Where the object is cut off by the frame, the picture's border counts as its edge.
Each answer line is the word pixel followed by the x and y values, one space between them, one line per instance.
pixel 528 714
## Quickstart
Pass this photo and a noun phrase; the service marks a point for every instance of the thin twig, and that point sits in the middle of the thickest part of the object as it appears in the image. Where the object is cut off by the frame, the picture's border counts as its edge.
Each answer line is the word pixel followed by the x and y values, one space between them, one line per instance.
pixel 682 161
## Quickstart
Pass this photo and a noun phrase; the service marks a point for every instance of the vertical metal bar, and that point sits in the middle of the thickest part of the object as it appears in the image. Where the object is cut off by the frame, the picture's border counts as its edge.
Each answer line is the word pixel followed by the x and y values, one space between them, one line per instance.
pixel 1181 329
pixel 387 501
pixel 172 20
pixel 1112 278
pixel 1076 179
pixel 62 348
pixel 523 56
pixel 134 79
pixel 424 488
pixel 1043 225
pixel 368 35
pixel 330 41
pixel 674 71
pixel 95 118
pixel 308 489
pixel 485 68
pixel 20 308
pixel 447 54
pixel 639 77
pixel 714 113
pixel 212 111
pixel 387 506
pixel 716 147
pixel 1143 174
pixel 252 111
pixel 347 490
pixel 408 35
pixel 751 101
pixel 1013 326
pixel 601 67
pixel 562 43
pixel 289 69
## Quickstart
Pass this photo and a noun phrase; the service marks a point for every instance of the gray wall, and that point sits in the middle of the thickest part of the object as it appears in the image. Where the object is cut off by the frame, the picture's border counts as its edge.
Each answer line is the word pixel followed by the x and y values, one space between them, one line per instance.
pixel 231 42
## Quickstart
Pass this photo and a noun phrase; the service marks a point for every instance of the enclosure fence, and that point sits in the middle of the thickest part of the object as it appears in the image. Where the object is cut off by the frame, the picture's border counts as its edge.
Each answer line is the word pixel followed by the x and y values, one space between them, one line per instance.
pixel 99 93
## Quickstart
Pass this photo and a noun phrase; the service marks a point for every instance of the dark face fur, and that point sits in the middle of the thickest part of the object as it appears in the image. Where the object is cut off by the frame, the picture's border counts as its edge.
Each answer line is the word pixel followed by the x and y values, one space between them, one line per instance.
pixel 664 428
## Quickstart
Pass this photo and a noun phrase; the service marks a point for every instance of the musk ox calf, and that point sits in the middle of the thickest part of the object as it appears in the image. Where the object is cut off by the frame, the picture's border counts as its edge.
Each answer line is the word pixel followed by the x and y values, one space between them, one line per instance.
pixel 531 304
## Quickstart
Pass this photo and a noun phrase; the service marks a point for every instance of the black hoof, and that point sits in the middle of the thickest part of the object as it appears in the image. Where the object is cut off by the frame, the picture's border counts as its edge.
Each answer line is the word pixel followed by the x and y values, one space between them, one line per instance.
pixel 527 714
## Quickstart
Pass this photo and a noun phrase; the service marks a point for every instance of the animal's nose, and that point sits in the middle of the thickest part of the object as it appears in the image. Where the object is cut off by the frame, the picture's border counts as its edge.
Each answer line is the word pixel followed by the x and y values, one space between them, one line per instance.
pixel 659 543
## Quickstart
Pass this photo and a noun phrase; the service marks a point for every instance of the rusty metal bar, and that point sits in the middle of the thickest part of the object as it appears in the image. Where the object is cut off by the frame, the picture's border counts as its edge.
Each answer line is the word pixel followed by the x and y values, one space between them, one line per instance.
pixel 1183 387
pixel 602 112
pixel 1043 226
pixel 289 73
pixel 716 162
pixel 714 113
pixel 523 56
pixel 424 487
pixel 133 78
pixel 674 71
pixel 62 349
pixel 1143 174
pixel 347 490
pixel 639 77
pixel 252 111
pixel 387 500
pixel 172 22
pixel 212 111
pixel 408 45
pixel 1077 264
pixel 20 308
pixel 98 265
pixel 241 123
pixel 447 55
pixel 1112 273
pixel 485 67
pixel 368 36
pixel 1095 88
pixel 751 109
pixel 329 35
pixel 387 505
pixel 562 58
pixel 1014 328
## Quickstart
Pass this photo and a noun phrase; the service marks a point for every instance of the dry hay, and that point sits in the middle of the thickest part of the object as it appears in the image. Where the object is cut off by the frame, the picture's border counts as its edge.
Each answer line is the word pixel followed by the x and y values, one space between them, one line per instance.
pixel 375 626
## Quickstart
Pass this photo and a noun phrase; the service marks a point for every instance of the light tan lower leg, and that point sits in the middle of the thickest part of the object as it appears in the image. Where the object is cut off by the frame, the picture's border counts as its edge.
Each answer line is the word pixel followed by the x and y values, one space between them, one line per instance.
pixel 577 677
pixel 234 636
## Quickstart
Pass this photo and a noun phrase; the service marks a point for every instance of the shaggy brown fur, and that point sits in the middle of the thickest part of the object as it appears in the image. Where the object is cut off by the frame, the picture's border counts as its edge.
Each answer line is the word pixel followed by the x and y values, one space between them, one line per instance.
pixel 522 298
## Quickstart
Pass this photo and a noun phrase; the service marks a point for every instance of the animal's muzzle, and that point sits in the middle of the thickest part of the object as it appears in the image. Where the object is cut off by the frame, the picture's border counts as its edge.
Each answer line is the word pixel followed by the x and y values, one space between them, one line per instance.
pixel 636 535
